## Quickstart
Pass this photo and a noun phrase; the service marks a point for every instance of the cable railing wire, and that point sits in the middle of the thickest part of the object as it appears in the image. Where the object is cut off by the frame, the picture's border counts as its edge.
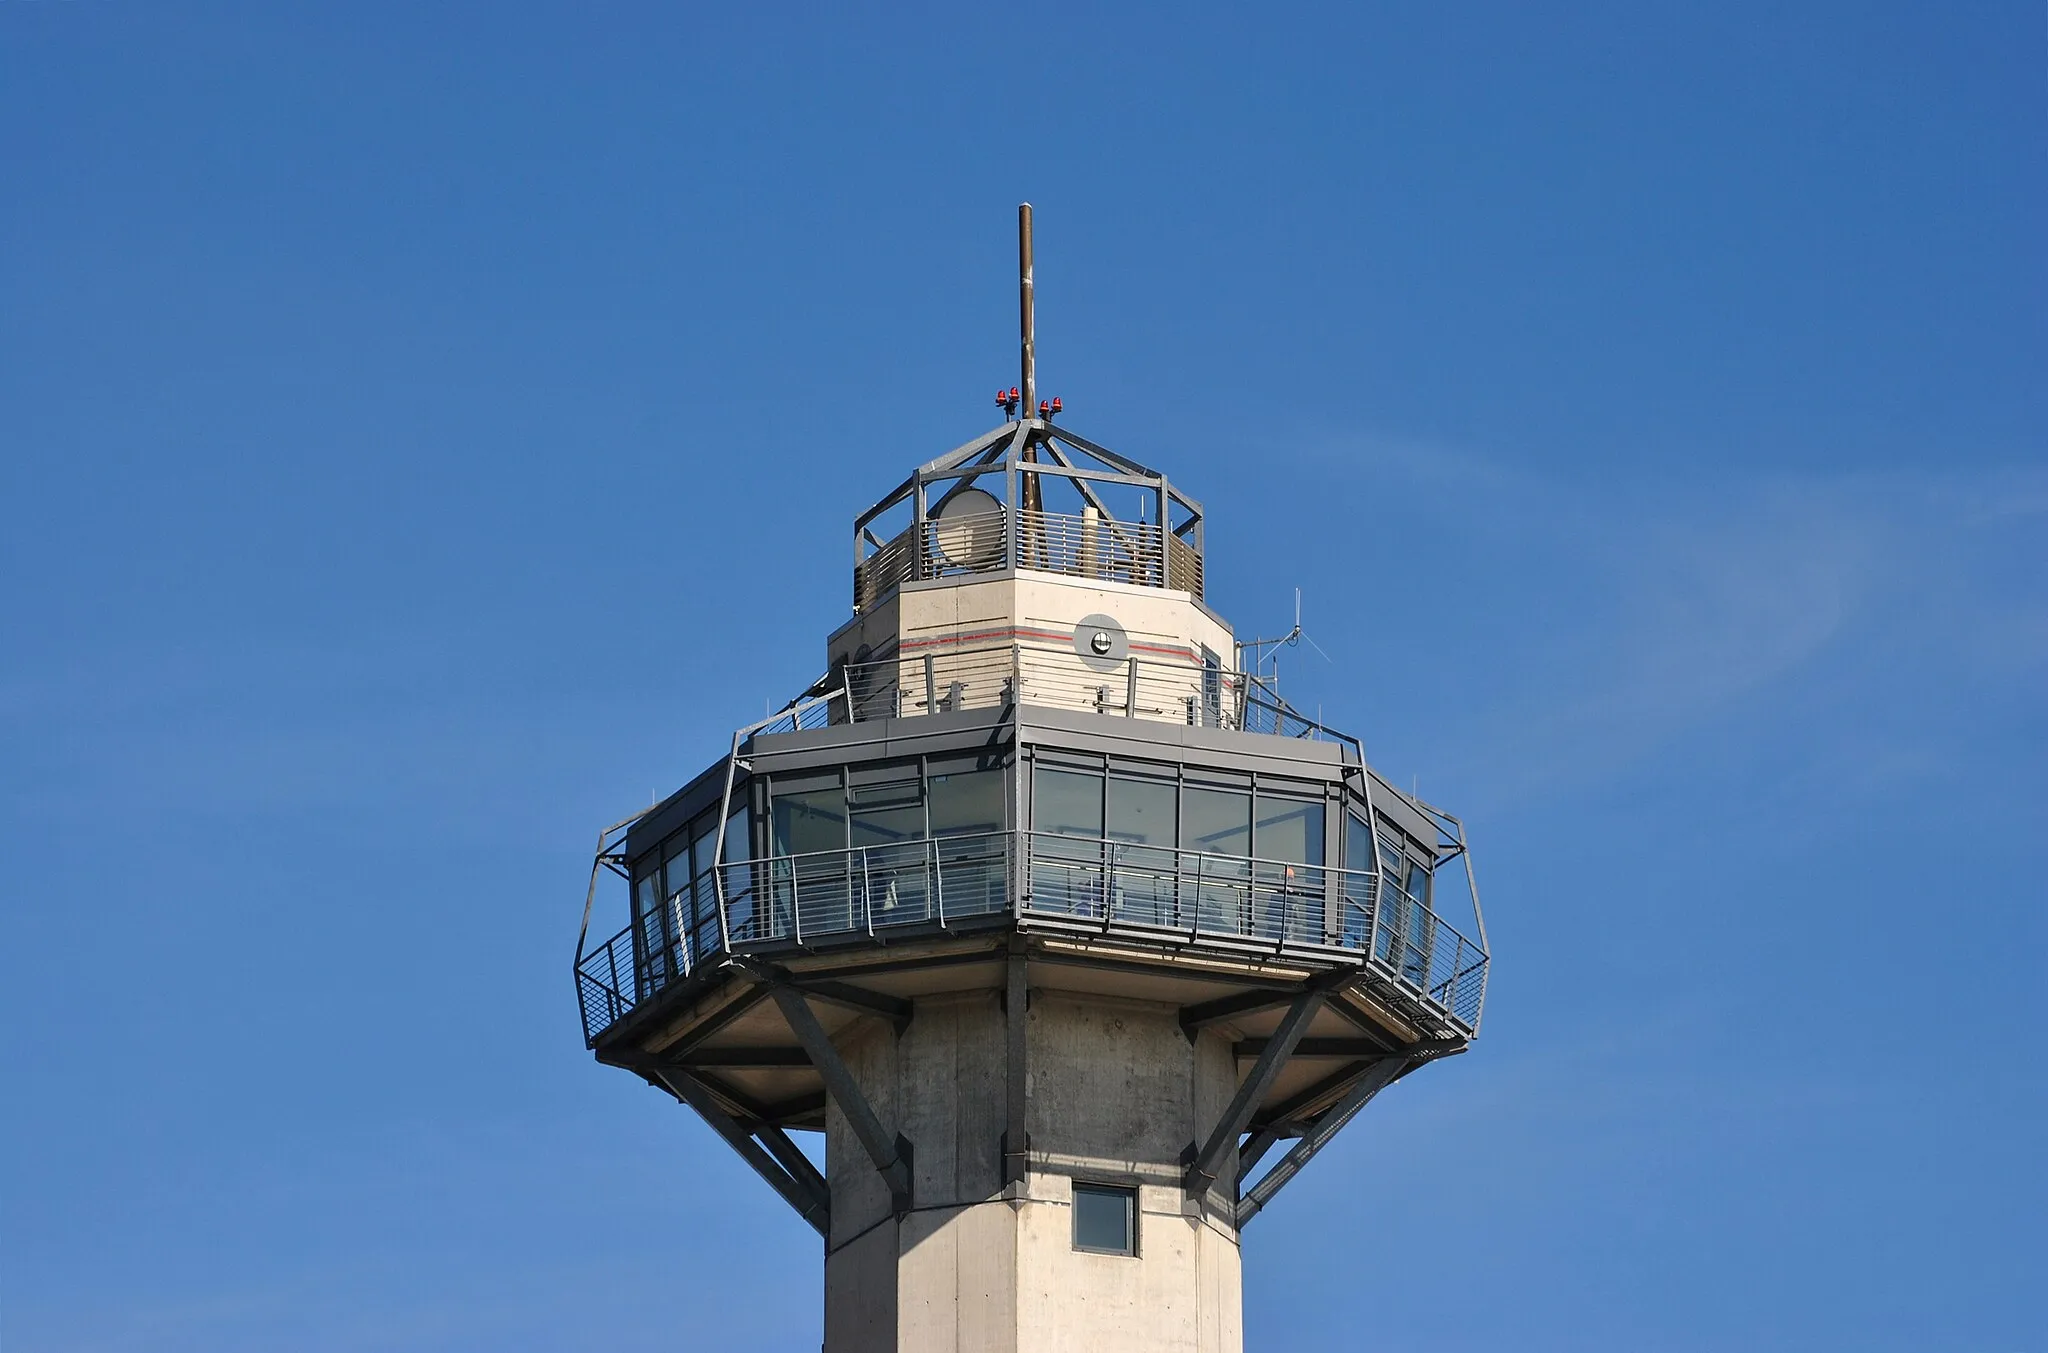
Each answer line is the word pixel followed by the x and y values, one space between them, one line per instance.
pixel 1406 952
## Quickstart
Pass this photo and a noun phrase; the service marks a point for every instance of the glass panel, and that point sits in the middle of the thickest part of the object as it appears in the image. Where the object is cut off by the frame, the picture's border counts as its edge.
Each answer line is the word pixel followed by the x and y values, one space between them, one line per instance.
pixel 1141 828
pixel 653 941
pixel 801 823
pixel 868 826
pixel 739 834
pixel 896 866
pixel 1357 881
pixel 1104 1219
pixel 1419 930
pixel 675 867
pixel 1289 829
pixel 1066 874
pixel 1067 802
pixel 1288 899
pixel 967 806
pixel 1218 822
pixel 741 882
pixel 967 801
pixel 811 820
pixel 1141 811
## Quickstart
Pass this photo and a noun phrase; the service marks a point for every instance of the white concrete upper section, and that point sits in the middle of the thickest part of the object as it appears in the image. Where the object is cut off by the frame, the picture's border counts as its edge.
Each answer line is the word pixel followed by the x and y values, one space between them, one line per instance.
pixel 1062 642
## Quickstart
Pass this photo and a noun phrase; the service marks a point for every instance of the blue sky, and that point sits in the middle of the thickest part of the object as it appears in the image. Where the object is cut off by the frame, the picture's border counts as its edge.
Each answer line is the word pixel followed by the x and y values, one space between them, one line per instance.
pixel 430 429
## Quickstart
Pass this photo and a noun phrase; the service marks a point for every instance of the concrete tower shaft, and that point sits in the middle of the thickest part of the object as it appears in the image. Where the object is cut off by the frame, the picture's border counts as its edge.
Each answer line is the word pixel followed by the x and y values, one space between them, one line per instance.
pixel 1115 1092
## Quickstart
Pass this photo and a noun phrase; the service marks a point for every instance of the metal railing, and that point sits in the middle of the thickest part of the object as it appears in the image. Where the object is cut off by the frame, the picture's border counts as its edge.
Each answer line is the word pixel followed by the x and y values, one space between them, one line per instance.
pixel 1075 545
pixel 1408 954
pixel 1164 690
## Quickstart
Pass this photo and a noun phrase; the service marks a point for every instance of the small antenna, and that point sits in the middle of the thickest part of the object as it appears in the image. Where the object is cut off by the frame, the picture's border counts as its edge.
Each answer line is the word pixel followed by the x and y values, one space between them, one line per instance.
pixel 1265 651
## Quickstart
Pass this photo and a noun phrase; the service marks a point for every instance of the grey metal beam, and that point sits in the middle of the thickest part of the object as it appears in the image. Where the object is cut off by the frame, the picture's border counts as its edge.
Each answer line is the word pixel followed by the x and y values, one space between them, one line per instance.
pixel 813 1205
pixel 1105 455
pixel 1079 479
pixel 800 1106
pixel 892 1008
pixel 990 954
pixel 716 1021
pixel 745 1108
pixel 792 1158
pixel 744 1058
pixel 1255 1148
pixel 1201 1171
pixel 891 1157
pixel 966 451
pixel 1371 1083
pixel 1342 1003
pixel 1194 1018
pixel 1016 1143
pixel 1318 1047
pixel 1296 1105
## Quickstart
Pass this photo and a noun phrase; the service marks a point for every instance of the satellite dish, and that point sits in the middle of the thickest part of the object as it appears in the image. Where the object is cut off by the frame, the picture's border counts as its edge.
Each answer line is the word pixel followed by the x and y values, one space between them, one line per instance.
pixel 967 530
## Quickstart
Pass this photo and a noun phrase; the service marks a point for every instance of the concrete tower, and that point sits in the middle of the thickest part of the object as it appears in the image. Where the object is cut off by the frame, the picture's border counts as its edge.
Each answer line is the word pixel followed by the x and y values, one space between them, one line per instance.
pixel 1045 909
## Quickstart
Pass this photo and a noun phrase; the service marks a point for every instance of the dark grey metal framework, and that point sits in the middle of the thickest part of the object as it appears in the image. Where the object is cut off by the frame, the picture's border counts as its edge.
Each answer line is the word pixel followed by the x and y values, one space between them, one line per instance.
pixel 781 939
pixel 903 537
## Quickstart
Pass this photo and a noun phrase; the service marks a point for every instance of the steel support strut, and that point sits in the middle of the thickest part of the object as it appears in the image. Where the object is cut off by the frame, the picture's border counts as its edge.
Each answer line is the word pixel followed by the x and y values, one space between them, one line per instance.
pixel 891 1156
pixel 1201 1171
pixel 1376 1078
pixel 797 1180
pixel 1016 1142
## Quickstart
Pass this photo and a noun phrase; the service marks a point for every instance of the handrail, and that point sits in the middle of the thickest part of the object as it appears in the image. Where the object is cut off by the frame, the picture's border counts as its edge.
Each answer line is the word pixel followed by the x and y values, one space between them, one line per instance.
pixel 1406 952
pixel 1072 544
pixel 944 678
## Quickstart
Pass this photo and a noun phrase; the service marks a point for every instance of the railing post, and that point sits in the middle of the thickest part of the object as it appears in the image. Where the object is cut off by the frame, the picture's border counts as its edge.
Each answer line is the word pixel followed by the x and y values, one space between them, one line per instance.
pixel 1131 688
pixel 931 686
pixel 867 893
pixel 1110 849
pixel 938 878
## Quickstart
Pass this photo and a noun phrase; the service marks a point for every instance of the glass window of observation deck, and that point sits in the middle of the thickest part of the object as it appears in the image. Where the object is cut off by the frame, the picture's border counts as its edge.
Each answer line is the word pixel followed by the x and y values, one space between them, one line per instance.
pixel 1067 803
pixel 808 820
pixel 966 802
pixel 1216 821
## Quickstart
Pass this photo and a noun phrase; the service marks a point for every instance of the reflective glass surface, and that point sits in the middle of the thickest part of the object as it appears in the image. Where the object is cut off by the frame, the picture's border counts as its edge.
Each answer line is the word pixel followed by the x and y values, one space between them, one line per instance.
pixel 1105 1219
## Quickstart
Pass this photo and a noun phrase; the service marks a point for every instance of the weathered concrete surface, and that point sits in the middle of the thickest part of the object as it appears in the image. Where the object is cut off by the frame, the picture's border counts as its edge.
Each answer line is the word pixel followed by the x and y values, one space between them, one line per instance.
pixel 1115 1095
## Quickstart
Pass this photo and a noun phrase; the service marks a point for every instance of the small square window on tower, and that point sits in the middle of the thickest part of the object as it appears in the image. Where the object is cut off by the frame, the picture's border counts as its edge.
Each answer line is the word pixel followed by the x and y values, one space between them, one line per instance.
pixel 1105 1219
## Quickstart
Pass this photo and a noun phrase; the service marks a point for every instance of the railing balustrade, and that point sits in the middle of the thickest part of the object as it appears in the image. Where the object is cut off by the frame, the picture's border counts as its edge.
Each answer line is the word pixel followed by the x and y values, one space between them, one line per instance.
pixel 1074 545
pixel 1117 887
pixel 986 676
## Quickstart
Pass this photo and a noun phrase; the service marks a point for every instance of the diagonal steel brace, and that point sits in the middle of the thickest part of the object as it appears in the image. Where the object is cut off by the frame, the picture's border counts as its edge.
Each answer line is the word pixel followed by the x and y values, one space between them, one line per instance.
pixel 891 1156
pixel 1201 1171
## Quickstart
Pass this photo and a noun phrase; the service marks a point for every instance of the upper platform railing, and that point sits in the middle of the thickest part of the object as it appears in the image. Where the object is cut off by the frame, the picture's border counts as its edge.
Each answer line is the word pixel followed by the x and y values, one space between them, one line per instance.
pixel 1070 544
pixel 1407 955
pixel 1031 496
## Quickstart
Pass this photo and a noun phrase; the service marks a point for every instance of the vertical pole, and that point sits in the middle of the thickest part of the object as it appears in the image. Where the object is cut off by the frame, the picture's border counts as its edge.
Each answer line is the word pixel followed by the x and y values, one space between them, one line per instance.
pixel 1131 688
pixel 1027 322
pixel 931 687
pixel 1027 343
pixel 1016 1001
pixel 918 517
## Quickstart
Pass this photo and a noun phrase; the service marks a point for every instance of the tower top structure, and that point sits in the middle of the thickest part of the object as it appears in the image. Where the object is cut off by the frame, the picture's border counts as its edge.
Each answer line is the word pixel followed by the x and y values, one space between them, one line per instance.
pixel 1052 916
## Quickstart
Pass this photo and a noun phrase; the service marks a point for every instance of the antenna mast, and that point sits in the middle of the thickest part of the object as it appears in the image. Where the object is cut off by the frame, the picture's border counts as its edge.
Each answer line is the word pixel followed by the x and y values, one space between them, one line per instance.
pixel 1027 335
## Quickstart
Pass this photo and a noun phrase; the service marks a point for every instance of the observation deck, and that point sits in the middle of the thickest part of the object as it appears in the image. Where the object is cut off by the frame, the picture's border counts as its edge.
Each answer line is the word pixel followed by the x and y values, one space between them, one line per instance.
pixel 1037 763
